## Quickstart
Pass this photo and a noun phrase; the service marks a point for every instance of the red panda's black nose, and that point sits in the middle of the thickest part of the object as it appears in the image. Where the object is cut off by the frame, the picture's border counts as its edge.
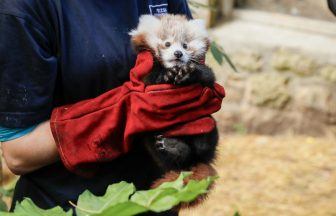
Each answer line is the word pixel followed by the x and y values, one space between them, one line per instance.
pixel 178 54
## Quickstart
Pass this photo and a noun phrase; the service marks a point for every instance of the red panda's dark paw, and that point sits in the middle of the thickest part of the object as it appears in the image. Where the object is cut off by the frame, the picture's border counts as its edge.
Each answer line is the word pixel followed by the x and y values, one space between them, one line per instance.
pixel 184 74
pixel 159 142
pixel 182 79
pixel 169 76
pixel 200 171
pixel 191 67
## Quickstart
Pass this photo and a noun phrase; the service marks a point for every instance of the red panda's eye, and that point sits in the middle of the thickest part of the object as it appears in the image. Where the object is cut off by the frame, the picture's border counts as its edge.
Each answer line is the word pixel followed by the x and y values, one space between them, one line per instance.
pixel 167 44
pixel 185 46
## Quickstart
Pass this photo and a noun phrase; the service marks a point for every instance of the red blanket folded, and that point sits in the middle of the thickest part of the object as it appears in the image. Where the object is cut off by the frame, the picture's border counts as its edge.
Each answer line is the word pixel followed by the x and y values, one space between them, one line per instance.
pixel 103 128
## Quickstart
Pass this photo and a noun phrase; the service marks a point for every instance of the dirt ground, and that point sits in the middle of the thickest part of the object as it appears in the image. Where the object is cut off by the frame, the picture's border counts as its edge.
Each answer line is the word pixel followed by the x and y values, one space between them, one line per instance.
pixel 262 175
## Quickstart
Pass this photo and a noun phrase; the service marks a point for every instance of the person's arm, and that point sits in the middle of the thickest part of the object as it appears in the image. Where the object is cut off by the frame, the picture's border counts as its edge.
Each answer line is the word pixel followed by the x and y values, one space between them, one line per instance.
pixel 28 70
pixel 32 151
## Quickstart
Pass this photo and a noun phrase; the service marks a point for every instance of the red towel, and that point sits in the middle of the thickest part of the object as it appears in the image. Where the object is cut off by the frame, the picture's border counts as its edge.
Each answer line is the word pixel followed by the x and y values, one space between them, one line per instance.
pixel 103 128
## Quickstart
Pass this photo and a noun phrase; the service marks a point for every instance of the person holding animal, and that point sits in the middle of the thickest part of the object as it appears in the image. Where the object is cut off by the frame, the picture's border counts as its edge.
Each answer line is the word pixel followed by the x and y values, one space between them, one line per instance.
pixel 178 47
pixel 71 108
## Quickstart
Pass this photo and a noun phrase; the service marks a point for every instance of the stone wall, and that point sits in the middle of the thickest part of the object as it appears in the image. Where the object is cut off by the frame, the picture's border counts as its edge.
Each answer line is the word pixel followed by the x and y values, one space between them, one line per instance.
pixel 315 9
pixel 308 8
pixel 278 92
pixel 221 10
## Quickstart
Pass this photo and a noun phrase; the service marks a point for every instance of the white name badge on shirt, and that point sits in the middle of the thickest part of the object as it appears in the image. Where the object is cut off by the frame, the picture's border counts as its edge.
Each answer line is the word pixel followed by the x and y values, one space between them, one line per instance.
pixel 158 10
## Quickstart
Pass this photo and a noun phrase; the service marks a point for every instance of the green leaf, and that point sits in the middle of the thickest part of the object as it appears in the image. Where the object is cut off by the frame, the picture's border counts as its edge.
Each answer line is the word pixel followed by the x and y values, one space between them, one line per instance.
pixel 160 199
pixel 228 60
pixel 194 189
pixel 124 209
pixel 236 214
pixel 171 194
pixel 3 205
pixel 116 193
pixel 157 200
pixel 9 214
pixel 178 183
pixel 7 193
pixel 122 200
pixel 27 207
pixel 219 55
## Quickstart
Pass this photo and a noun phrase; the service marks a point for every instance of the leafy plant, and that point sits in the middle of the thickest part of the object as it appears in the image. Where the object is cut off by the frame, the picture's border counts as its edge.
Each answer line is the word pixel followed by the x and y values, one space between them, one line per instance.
pixel 219 55
pixel 3 205
pixel 240 128
pixel 6 191
pixel 236 214
pixel 122 199
pixel 28 208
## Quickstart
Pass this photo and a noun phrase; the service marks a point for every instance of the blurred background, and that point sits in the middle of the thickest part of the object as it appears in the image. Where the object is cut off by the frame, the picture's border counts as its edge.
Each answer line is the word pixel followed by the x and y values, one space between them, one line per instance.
pixel 277 152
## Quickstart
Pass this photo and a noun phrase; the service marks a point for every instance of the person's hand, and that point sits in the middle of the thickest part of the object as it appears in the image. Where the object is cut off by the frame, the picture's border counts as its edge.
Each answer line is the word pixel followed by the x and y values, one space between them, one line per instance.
pixel 103 128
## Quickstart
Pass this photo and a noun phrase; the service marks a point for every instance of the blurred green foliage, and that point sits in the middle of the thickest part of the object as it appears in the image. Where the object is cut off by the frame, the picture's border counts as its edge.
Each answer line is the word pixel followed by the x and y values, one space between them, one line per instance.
pixel 240 128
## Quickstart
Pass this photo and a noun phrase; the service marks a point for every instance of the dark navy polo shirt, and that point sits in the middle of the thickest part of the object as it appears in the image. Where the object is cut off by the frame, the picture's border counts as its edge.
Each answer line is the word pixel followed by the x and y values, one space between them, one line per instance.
pixel 55 52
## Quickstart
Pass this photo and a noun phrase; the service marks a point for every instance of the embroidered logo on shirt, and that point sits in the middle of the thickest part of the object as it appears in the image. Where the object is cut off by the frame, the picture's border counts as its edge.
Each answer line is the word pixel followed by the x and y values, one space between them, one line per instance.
pixel 158 10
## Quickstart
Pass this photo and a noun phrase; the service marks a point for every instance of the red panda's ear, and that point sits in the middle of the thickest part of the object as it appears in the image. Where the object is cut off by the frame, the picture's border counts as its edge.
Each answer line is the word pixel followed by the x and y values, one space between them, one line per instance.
pixel 139 42
pixel 147 25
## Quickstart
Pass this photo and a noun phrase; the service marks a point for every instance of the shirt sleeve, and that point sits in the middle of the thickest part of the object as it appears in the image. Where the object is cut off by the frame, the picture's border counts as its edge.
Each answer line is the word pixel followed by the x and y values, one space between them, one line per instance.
pixel 27 72
pixel 179 7
pixel 7 134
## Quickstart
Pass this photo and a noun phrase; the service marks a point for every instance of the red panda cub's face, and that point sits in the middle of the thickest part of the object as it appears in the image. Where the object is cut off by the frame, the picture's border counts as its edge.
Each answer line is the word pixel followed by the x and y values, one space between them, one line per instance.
pixel 173 39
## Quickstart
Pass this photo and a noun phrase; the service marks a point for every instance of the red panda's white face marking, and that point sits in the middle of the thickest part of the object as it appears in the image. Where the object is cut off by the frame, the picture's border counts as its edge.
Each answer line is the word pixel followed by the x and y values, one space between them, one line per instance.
pixel 173 39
